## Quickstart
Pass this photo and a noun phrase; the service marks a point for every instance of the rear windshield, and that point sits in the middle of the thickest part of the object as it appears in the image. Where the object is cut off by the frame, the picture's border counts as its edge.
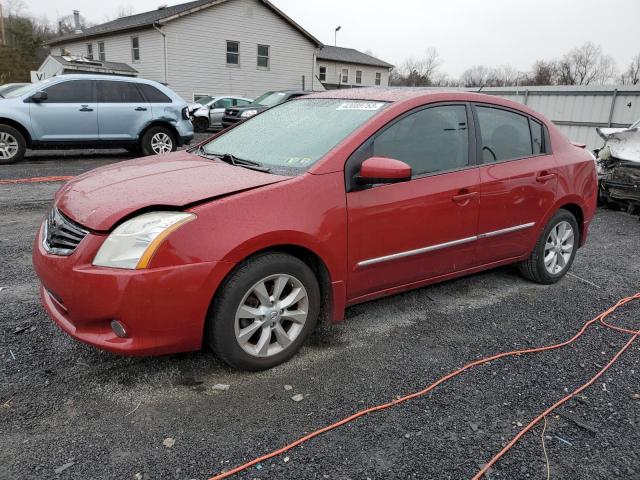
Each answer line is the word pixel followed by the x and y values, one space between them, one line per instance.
pixel 295 134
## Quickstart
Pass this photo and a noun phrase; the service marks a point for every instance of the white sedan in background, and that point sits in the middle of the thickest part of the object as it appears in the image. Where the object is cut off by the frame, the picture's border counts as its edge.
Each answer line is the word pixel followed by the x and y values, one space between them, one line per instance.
pixel 209 110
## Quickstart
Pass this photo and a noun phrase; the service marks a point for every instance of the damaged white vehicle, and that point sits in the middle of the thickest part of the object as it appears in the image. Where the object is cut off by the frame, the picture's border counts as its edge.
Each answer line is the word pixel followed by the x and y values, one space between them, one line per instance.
pixel 619 166
pixel 209 111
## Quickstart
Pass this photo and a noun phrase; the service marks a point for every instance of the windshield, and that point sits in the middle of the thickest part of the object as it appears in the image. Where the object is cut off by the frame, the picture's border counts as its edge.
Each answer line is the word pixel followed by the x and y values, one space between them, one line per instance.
pixel 31 87
pixel 296 134
pixel 205 100
pixel 270 99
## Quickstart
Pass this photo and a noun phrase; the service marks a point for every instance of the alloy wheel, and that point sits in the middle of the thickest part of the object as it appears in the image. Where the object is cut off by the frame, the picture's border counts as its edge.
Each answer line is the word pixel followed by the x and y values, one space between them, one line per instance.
pixel 271 315
pixel 161 143
pixel 8 146
pixel 559 247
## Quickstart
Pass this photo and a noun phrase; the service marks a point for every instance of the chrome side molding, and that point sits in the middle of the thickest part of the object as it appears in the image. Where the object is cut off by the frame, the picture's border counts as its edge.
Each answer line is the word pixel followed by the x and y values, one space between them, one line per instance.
pixel 440 246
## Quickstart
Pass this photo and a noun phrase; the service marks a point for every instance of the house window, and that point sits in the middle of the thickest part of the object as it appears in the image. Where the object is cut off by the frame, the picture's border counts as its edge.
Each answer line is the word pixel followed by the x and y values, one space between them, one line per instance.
pixel 263 56
pixel 90 51
pixel 359 77
pixel 322 76
pixel 345 75
pixel 62 51
pixel 102 56
pixel 378 78
pixel 135 49
pixel 233 53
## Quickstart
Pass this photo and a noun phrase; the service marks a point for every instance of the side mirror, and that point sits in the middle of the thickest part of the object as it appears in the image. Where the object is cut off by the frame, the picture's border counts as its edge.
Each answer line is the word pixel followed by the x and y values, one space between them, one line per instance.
pixel 383 170
pixel 40 96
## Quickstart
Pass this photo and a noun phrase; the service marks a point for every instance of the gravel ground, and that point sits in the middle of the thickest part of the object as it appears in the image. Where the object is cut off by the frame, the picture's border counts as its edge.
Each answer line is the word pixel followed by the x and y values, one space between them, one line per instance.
pixel 63 404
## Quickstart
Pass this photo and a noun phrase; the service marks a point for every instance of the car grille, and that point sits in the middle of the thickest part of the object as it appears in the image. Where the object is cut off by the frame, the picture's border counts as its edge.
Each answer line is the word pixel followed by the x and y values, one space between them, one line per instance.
pixel 61 235
pixel 231 112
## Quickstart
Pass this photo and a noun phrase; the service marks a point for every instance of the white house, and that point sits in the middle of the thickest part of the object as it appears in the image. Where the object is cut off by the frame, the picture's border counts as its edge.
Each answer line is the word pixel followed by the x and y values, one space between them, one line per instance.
pixel 240 47
pixel 340 67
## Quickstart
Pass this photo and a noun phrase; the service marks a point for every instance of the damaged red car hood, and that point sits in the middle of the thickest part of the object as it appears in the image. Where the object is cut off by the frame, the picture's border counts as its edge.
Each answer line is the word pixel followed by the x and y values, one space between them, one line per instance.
pixel 101 197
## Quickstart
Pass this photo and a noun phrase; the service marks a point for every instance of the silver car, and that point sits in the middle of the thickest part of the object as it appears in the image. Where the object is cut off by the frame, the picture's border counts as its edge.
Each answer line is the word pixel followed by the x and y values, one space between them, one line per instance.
pixel 211 109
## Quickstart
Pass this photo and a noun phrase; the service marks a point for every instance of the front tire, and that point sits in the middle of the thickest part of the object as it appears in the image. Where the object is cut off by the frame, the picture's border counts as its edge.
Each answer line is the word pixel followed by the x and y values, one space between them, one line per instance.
pixel 555 250
pixel 264 312
pixel 158 140
pixel 200 124
pixel 12 145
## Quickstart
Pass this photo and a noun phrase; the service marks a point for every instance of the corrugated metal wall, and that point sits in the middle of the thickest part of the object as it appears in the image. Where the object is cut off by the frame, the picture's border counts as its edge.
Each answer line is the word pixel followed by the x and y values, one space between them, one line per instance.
pixel 578 110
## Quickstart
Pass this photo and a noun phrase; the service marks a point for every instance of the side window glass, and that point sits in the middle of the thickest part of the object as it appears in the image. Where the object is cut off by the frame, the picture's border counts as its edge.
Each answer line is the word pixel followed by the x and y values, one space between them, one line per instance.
pixel 152 94
pixel 537 137
pixel 73 91
pixel 504 135
pixel 223 103
pixel 118 92
pixel 430 140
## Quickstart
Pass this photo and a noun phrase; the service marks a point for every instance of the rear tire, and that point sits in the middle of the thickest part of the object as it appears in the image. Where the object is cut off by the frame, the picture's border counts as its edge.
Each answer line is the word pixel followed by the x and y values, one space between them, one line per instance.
pixel 158 140
pixel 555 250
pixel 263 312
pixel 12 145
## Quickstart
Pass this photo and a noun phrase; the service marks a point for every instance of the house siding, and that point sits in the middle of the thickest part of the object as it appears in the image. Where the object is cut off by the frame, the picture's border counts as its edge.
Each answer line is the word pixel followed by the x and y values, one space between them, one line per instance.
pixel 196 46
pixel 368 74
pixel 118 49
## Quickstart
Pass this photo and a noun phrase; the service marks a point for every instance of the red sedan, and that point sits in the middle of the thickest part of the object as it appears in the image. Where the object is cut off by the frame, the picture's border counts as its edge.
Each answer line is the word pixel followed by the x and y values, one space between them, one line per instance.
pixel 246 241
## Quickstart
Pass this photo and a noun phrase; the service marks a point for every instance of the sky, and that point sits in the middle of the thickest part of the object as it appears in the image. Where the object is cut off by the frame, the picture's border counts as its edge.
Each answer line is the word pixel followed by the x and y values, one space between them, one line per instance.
pixel 464 32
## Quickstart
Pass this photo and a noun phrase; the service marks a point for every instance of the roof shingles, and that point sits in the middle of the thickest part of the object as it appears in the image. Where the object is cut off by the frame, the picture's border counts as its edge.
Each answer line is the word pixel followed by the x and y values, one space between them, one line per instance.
pixel 350 55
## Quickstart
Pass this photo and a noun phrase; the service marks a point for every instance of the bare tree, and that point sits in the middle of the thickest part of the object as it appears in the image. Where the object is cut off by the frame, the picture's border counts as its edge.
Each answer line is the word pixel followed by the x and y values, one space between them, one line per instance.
pixel 123 10
pixel 631 76
pixel 544 73
pixel 417 72
pixel 476 76
pixel 586 65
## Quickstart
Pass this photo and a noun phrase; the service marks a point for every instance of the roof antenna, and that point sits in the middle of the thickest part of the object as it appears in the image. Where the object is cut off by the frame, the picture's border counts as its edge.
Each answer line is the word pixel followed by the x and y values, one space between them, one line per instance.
pixel 480 89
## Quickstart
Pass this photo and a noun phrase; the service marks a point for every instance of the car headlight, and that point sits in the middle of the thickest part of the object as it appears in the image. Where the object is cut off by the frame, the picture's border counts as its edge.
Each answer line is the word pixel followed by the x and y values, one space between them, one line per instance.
pixel 248 113
pixel 132 244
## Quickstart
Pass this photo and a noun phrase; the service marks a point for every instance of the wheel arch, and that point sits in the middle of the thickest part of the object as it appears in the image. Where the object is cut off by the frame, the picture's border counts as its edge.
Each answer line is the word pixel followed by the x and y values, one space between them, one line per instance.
pixel 160 123
pixel 311 258
pixel 577 211
pixel 18 126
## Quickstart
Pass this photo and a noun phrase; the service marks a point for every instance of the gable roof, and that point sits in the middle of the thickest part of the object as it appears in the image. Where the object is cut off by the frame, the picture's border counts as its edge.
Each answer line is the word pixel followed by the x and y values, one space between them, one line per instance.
pixel 350 55
pixel 163 15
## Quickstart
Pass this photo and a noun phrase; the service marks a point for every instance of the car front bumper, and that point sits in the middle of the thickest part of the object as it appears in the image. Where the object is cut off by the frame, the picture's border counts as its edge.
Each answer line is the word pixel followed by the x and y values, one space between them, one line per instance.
pixel 163 310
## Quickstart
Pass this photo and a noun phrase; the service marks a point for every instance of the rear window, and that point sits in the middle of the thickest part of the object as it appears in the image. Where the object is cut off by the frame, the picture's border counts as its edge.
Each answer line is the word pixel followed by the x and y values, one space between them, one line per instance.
pixel 152 94
pixel 537 137
pixel 505 135
pixel 118 92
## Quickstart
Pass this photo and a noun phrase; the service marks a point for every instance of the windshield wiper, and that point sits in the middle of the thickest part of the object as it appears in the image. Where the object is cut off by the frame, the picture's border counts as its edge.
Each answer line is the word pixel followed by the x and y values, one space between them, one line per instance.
pixel 233 160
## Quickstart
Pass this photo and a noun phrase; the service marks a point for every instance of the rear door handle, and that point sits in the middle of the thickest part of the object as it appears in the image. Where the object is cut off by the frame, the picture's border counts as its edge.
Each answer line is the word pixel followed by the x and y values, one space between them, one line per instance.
pixel 85 108
pixel 464 197
pixel 141 109
pixel 545 177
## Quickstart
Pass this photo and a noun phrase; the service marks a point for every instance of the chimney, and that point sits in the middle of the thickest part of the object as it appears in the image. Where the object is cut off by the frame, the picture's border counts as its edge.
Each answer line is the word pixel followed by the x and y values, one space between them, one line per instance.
pixel 76 21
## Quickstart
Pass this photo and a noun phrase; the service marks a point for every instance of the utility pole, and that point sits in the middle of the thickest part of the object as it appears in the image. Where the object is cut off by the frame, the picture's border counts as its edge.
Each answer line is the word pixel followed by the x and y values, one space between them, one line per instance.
pixel 3 37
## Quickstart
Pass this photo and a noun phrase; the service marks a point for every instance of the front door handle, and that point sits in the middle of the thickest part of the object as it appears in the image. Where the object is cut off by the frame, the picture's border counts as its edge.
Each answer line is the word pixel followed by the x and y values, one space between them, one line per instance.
pixel 464 197
pixel 545 177
pixel 85 108
pixel 141 109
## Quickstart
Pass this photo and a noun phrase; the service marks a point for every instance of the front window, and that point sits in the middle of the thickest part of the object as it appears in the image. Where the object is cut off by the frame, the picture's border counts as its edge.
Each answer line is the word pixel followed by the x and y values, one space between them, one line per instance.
pixel 32 87
pixel 359 77
pixel 378 78
pixel 294 135
pixel 90 51
pixel 102 56
pixel 223 103
pixel 135 49
pixel 71 91
pixel 263 56
pixel 233 53
pixel 322 75
pixel 345 75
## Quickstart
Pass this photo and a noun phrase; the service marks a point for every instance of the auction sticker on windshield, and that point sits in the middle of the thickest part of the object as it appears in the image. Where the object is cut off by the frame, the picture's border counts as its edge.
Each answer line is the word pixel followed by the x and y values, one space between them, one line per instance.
pixel 368 106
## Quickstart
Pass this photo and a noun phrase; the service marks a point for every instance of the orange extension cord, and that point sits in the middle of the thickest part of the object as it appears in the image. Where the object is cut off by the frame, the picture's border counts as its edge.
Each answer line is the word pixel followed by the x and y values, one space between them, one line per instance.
pixel 600 318
pixel 12 181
